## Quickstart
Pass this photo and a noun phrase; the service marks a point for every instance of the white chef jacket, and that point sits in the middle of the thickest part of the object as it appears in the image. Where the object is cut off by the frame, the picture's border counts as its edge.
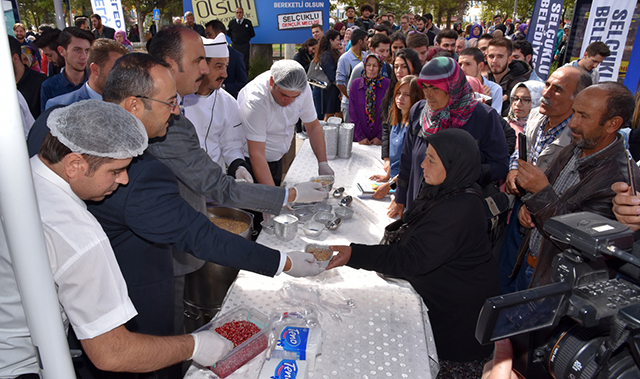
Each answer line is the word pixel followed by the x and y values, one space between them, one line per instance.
pixel 91 290
pixel 217 120
pixel 266 121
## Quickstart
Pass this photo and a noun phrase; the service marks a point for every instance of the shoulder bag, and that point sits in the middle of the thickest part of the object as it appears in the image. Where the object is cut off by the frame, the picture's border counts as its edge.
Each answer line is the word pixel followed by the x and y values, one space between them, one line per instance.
pixel 316 76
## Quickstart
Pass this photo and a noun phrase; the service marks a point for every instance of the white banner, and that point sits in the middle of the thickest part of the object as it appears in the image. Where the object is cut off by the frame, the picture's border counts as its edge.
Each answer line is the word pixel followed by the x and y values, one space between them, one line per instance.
pixel 111 13
pixel 609 22
pixel 299 20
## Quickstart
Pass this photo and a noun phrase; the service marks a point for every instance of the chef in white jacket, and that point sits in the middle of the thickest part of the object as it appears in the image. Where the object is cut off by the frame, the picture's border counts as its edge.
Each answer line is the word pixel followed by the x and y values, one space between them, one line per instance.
pixel 215 113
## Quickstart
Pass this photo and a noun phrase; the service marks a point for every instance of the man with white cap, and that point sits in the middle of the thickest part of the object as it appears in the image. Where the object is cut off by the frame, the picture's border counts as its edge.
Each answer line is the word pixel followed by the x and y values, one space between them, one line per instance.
pixel 215 114
pixel 270 106
pixel 85 157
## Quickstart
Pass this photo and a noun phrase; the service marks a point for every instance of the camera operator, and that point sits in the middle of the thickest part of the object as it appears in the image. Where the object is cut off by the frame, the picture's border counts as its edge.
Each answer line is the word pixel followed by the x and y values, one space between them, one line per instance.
pixel 579 176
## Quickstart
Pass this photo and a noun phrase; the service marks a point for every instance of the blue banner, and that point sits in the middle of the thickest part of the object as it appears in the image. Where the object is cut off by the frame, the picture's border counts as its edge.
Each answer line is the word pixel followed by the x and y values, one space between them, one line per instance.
pixel 543 29
pixel 273 21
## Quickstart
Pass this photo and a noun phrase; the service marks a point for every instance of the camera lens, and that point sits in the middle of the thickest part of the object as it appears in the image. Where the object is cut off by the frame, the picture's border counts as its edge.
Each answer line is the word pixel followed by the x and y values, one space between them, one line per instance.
pixel 572 351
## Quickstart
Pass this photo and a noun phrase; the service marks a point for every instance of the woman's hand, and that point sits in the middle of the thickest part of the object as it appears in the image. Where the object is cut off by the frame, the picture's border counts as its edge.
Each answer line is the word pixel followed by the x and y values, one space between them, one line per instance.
pixel 524 216
pixel 380 178
pixel 381 191
pixel 342 258
pixel 395 209
pixel 364 142
pixel 376 141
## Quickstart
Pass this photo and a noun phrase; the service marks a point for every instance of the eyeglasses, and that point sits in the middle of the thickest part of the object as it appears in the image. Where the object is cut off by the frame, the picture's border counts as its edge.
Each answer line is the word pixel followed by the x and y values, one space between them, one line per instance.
pixel 525 100
pixel 173 104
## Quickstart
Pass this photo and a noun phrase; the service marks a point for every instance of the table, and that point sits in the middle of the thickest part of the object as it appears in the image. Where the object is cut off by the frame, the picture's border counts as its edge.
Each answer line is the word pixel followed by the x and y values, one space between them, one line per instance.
pixel 388 333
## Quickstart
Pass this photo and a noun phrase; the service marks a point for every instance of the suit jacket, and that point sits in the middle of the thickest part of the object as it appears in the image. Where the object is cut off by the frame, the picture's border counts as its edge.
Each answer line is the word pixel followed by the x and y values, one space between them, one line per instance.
pixel 240 33
pixel 236 73
pixel 148 215
pixel 69 98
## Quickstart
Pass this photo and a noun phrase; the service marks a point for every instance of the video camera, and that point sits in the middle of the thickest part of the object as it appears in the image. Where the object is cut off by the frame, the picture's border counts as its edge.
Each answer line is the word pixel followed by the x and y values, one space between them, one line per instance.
pixel 586 324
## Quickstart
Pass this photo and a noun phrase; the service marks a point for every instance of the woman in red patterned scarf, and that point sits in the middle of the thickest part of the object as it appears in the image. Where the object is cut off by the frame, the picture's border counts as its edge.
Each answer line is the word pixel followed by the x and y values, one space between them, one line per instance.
pixel 365 102
pixel 449 104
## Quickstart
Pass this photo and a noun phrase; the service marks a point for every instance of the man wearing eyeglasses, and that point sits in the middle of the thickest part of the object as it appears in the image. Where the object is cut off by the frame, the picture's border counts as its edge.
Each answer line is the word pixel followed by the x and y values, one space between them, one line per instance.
pixel 547 133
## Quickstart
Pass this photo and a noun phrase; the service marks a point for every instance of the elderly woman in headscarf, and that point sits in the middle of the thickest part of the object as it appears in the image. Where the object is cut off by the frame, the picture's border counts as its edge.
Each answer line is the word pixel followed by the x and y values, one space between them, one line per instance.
pixel 365 102
pixel 449 104
pixel 444 253
pixel 524 97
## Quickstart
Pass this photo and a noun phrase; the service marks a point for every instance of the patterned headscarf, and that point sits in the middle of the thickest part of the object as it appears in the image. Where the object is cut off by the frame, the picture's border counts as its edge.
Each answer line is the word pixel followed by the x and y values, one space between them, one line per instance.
pixel 445 74
pixel 371 87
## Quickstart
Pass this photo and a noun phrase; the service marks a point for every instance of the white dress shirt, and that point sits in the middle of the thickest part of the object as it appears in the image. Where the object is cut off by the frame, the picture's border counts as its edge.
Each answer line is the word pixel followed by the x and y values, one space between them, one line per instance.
pixel 91 290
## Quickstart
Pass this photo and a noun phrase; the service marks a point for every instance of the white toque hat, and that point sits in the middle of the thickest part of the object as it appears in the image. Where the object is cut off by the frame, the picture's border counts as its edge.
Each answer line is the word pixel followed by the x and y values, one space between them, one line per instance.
pixel 217 47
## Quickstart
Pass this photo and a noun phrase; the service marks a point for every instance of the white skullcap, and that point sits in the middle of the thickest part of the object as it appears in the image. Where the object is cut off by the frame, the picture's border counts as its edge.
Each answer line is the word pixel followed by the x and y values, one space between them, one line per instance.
pixel 98 128
pixel 217 47
pixel 289 75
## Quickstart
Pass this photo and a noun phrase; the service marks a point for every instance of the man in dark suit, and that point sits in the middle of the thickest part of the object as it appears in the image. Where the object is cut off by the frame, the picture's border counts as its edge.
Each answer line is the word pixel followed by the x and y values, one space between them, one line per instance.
pixel 190 22
pixel 236 71
pixel 99 30
pixel 241 32
pixel 27 80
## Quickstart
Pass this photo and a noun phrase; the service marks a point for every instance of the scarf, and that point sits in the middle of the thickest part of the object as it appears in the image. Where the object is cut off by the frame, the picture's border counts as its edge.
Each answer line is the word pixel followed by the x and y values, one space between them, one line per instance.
pixel 370 92
pixel 445 74
pixel 458 151
pixel 125 41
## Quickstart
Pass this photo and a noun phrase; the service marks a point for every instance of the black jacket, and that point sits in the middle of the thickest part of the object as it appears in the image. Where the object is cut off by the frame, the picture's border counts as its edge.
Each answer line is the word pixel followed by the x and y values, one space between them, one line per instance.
pixel 240 33
pixel 304 58
pixel 29 86
pixel 447 258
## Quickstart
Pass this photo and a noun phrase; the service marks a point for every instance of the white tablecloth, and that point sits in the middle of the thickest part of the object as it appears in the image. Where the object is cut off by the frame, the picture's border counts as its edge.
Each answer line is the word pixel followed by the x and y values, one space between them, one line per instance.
pixel 388 333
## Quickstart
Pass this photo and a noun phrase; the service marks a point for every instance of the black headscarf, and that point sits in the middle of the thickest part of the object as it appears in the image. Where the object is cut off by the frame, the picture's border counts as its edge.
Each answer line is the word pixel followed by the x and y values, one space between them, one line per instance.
pixel 460 156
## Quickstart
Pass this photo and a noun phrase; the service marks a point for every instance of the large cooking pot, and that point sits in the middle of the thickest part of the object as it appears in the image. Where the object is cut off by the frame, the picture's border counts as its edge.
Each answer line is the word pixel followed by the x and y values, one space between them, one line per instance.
pixel 205 289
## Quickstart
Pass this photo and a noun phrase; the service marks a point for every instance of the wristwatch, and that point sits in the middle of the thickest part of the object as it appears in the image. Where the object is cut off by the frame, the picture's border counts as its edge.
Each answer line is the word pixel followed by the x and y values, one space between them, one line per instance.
pixel 392 183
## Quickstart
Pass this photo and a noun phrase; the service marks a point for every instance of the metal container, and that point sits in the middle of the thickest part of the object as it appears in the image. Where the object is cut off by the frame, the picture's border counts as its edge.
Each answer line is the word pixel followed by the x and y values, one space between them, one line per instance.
pixel 206 288
pixel 331 140
pixel 345 140
pixel 285 227
pixel 334 121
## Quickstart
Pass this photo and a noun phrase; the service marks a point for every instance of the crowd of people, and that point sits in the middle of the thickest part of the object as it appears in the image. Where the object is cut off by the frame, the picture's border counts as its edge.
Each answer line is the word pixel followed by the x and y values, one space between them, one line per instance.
pixel 181 123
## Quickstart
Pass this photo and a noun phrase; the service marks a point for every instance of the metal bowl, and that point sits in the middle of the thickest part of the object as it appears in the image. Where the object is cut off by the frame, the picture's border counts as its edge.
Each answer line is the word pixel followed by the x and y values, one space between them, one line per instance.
pixel 267 226
pixel 326 181
pixel 285 227
pixel 313 229
pixel 320 251
pixel 304 213
pixel 344 213
pixel 323 217
pixel 235 214
pixel 320 207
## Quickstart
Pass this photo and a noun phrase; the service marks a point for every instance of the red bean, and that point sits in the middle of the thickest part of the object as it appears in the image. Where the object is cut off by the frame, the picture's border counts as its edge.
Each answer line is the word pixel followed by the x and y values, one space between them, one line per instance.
pixel 238 332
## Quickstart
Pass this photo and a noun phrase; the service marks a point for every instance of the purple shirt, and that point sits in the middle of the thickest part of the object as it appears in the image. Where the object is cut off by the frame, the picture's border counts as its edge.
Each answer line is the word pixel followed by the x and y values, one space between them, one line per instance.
pixel 357 110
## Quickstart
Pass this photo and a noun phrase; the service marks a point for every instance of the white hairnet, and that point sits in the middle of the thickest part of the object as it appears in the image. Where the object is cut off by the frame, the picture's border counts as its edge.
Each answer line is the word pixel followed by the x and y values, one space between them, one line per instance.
pixel 98 128
pixel 289 75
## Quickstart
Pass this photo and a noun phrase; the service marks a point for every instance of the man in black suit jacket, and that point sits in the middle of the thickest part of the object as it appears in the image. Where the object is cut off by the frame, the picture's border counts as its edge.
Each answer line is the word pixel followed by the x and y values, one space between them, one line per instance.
pixel 241 32
pixel 236 71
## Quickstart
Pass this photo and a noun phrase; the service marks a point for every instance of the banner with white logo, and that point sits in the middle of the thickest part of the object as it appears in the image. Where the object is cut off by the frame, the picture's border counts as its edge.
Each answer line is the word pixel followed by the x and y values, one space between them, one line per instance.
pixel 111 13
pixel 609 22
pixel 545 21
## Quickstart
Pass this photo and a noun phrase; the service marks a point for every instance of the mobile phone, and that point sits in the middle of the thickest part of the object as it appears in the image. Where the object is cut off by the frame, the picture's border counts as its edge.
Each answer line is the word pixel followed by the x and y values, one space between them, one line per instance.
pixel 522 146
pixel 632 177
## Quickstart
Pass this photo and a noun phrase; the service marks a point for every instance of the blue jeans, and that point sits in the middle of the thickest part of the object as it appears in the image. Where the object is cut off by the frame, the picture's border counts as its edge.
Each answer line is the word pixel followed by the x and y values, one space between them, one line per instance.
pixel 524 277
pixel 317 100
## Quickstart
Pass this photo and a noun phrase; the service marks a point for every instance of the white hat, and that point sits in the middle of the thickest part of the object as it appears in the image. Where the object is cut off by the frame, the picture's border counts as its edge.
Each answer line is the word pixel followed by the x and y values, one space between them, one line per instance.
pixel 217 47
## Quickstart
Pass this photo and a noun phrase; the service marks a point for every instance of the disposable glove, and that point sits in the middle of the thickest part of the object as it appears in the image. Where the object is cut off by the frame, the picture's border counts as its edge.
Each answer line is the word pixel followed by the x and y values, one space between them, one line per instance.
pixel 303 264
pixel 209 347
pixel 309 192
pixel 324 169
pixel 243 173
